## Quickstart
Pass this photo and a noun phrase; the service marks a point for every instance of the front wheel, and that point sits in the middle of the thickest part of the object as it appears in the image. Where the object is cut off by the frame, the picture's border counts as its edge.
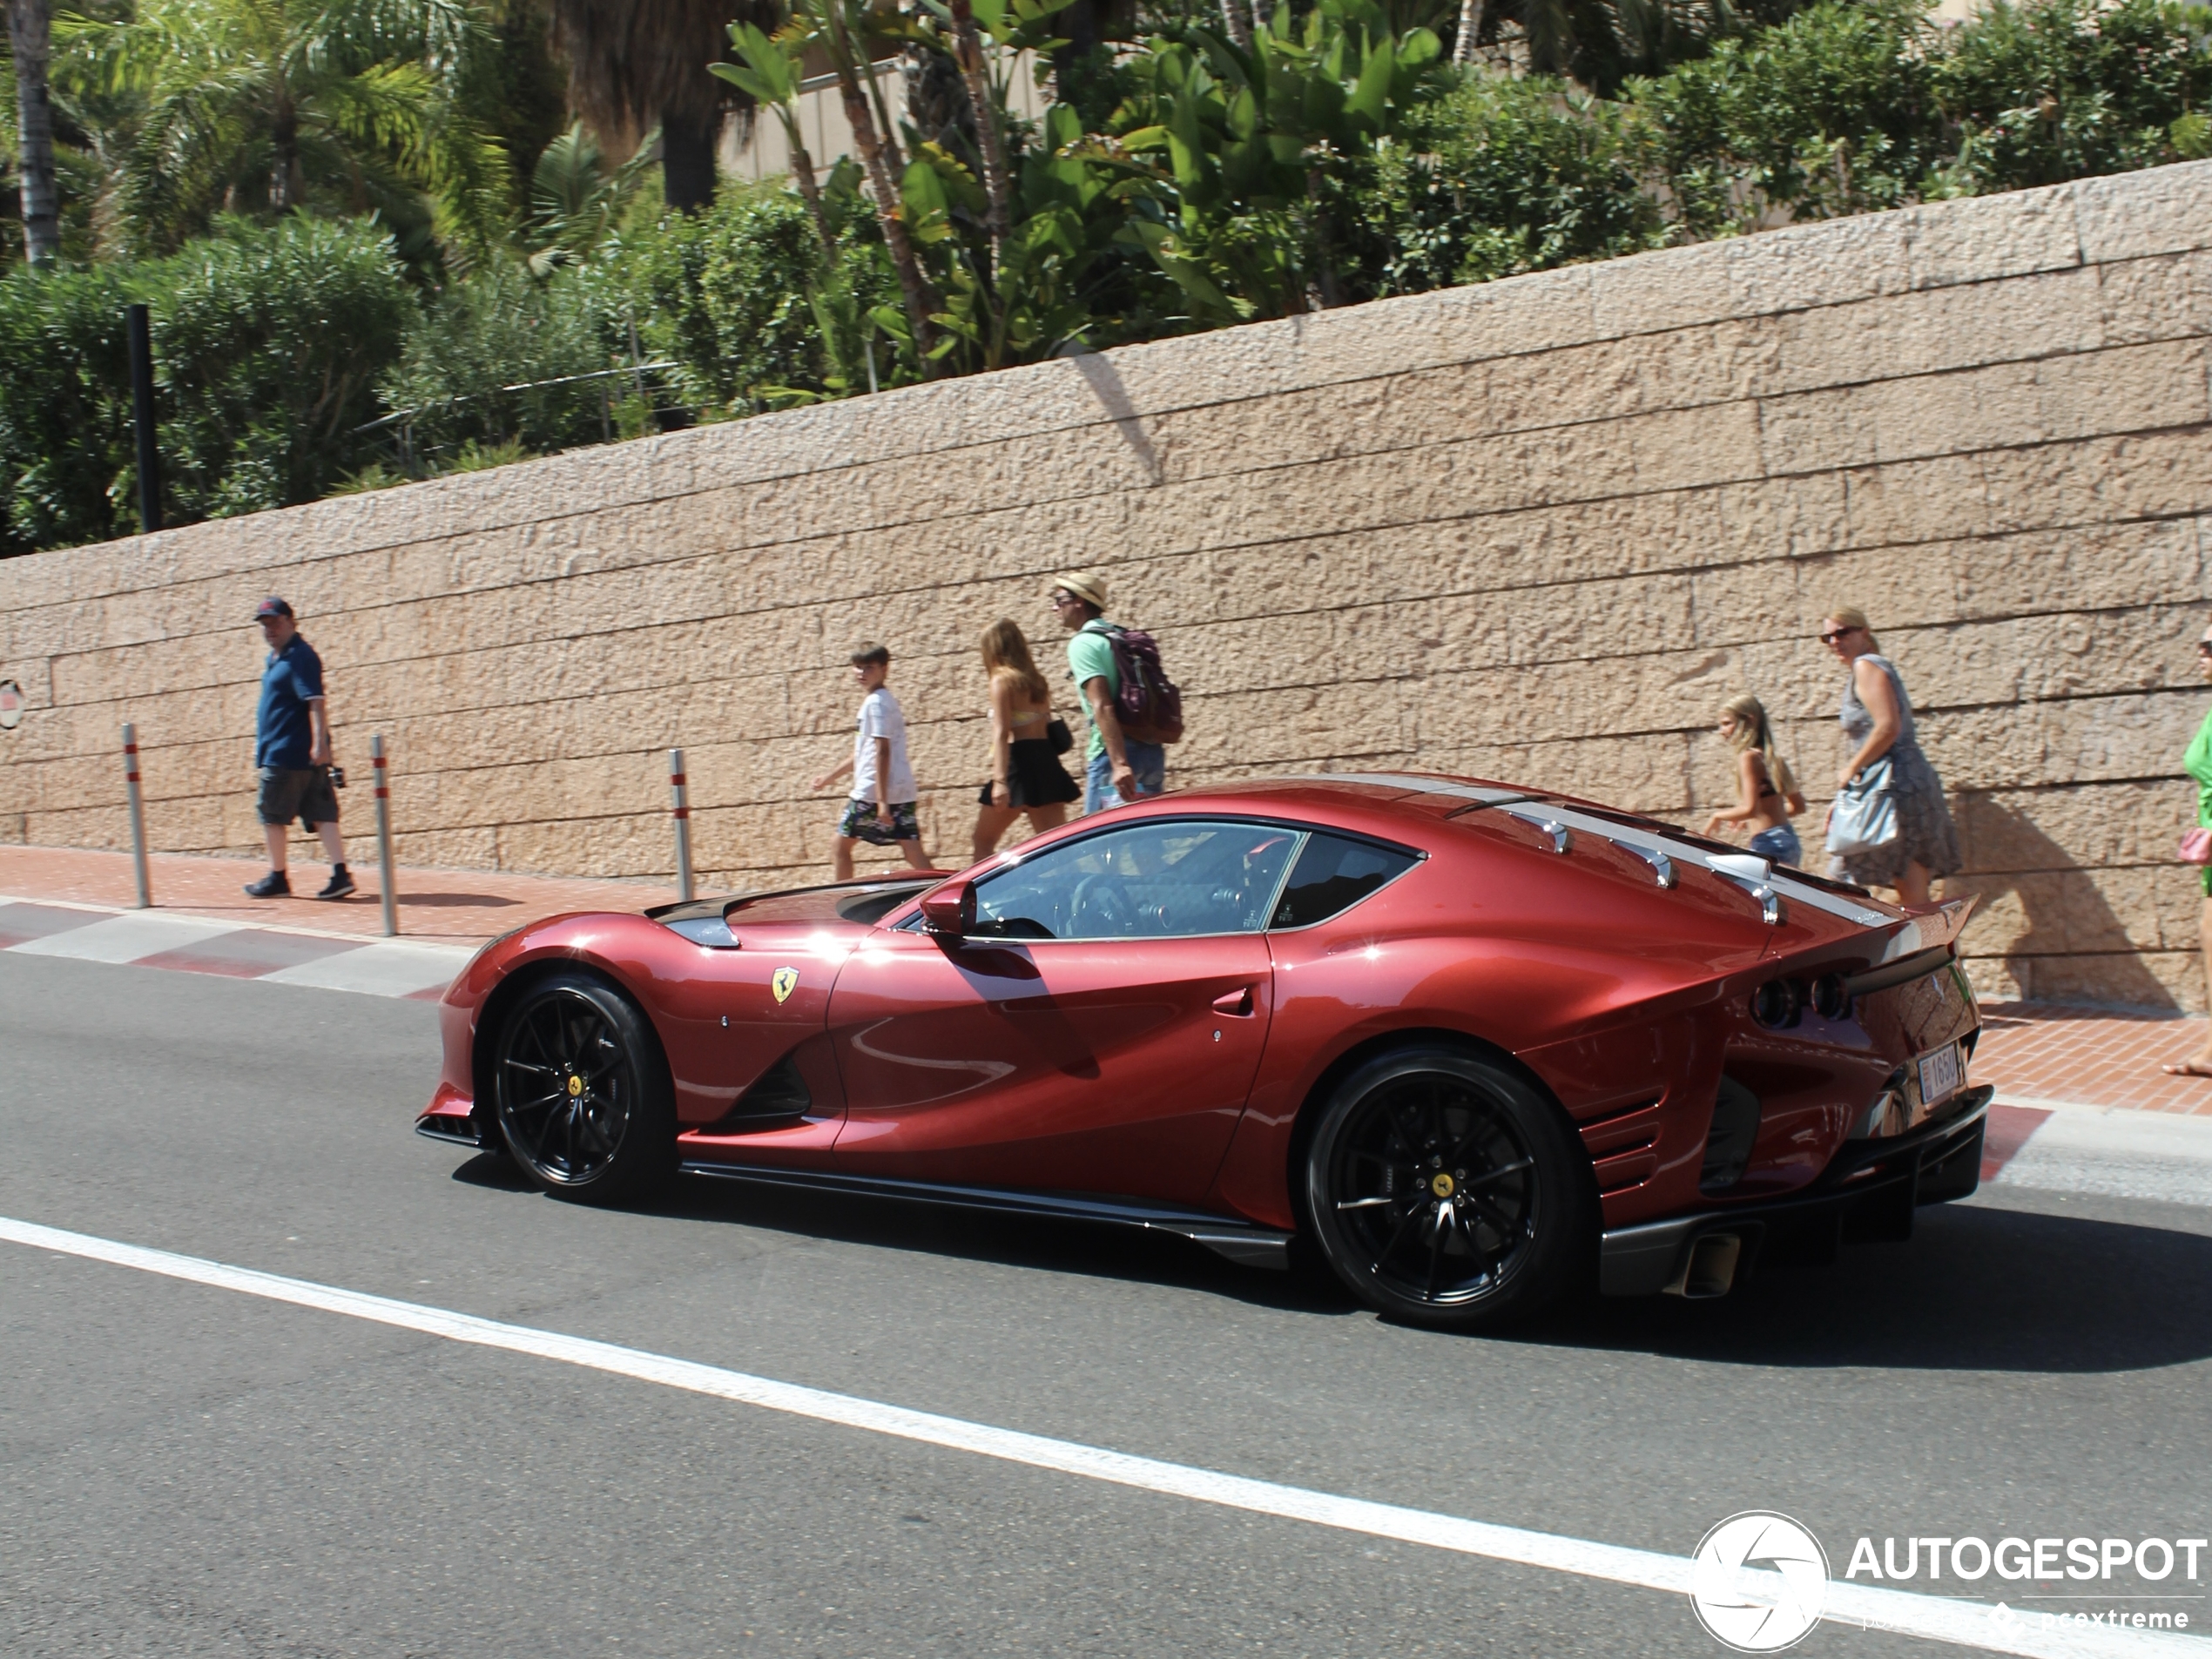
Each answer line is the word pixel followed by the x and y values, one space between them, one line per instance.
pixel 583 1095
pixel 1444 1190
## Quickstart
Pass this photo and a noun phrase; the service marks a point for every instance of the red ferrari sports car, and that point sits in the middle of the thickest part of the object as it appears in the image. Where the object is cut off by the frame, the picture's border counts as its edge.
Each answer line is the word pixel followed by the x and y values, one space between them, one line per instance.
pixel 1476 1044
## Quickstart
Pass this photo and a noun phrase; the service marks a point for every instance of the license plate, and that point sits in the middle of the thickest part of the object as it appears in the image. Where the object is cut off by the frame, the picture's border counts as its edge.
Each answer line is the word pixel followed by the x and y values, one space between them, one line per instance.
pixel 1940 1075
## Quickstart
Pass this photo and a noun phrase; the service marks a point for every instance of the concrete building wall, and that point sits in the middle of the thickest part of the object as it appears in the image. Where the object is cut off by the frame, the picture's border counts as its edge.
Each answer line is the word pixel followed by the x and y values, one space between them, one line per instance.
pixel 1538 529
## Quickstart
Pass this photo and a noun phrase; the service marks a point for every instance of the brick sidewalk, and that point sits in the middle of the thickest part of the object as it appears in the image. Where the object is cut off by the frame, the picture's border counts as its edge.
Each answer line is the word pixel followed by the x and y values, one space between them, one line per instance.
pixel 2085 1056
pixel 2090 1056
pixel 457 907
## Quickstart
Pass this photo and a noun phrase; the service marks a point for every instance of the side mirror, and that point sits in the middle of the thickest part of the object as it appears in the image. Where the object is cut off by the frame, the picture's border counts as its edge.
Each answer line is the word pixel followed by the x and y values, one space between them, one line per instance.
pixel 950 909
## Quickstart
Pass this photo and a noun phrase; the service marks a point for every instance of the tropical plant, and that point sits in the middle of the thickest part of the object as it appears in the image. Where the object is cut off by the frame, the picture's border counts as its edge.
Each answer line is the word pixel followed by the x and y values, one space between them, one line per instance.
pixel 271 106
pixel 578 199
pixel 1243 146
pixel 770 70
pixel 638 65
pixel 840 29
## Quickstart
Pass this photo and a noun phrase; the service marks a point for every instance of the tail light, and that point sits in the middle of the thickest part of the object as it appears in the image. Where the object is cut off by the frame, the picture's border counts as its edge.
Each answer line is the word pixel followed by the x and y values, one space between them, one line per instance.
pixel 1775 1004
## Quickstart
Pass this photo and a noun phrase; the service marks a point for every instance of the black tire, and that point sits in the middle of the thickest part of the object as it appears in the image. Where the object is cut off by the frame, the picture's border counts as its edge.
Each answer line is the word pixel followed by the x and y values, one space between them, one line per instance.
pixel 1445 1190
pixel 581 1092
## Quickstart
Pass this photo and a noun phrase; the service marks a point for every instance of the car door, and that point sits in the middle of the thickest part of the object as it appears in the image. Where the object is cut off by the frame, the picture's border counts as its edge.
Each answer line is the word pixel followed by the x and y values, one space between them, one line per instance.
pixel 1097 1033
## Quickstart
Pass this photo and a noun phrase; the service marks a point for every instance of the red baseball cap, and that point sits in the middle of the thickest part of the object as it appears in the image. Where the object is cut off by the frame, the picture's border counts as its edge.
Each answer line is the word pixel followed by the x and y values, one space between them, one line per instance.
pixel 269 607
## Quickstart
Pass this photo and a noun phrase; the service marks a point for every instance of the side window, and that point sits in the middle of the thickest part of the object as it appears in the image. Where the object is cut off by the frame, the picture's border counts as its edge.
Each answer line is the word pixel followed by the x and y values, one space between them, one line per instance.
pixel 1165 879
pixel 1333 873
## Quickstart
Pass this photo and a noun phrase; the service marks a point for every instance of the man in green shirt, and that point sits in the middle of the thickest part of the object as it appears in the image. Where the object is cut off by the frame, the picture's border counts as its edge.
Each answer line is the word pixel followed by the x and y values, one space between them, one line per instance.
pixel 1118 768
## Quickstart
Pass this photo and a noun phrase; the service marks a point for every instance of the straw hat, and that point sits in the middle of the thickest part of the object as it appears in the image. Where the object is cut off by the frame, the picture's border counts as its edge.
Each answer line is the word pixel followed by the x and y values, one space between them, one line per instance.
pixel 1086 585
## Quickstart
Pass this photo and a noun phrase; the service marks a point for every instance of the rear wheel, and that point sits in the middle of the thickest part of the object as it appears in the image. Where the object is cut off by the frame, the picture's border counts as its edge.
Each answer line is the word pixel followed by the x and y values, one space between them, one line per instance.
pixel 1443 1189
pixel 583 1095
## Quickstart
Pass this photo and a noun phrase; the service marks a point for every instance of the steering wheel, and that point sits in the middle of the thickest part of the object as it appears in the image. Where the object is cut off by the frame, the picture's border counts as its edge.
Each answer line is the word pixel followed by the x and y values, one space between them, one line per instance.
pixel 1099 909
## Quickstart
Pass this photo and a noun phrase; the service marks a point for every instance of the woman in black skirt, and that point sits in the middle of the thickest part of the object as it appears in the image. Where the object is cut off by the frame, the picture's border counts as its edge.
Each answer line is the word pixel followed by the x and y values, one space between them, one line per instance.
pixel 1027 777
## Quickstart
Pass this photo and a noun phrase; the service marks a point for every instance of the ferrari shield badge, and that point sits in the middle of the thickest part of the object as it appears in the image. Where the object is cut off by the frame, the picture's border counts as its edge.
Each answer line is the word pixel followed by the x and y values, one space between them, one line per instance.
pixel 783 981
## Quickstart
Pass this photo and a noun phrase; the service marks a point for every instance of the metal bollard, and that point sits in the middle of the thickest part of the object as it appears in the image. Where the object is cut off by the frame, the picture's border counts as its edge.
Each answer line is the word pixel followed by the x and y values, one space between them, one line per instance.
pixel 682 809
pixel 137 816
pixel 391 891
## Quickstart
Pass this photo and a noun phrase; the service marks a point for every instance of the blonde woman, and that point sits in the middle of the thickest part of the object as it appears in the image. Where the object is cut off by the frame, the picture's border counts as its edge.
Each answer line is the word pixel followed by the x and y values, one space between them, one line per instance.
pixel 1877 717
pixel 1027 777
pixel 1767 797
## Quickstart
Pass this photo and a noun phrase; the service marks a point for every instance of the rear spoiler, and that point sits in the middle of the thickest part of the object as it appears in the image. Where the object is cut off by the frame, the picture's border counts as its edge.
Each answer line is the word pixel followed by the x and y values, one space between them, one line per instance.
pixel 1920 946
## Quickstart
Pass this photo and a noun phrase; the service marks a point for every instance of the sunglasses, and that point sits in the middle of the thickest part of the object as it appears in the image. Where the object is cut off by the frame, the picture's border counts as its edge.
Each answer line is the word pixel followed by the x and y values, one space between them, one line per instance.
pixel 1829 639
pixel 2204 648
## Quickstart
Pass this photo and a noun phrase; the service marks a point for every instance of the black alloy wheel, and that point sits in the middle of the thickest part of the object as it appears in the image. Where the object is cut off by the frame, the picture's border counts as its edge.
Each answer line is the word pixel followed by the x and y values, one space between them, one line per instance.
pixel 582 1090
pixel 1445 1190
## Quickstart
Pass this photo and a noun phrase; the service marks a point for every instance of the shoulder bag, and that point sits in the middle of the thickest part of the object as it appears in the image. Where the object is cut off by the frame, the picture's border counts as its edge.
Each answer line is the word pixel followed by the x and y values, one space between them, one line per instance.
pixel 1865 812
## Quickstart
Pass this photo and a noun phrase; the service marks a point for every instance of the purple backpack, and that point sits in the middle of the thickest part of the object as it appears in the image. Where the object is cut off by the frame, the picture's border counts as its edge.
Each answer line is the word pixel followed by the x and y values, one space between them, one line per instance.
pixel 1148 706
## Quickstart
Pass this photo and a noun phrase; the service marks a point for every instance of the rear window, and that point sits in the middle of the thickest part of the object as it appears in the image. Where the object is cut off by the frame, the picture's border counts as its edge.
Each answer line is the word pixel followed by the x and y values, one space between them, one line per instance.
pixel 1333 873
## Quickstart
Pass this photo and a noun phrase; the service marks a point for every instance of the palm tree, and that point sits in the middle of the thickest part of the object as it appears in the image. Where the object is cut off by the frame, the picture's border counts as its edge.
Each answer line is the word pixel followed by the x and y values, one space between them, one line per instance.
pixel 634 64
pixel 771 73
pixel 577 200
pixel 30 32
pixel 284 104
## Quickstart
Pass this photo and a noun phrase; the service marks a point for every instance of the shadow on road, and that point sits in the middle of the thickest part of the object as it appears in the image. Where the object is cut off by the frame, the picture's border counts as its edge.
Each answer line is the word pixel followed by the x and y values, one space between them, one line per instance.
pixel 1978 1289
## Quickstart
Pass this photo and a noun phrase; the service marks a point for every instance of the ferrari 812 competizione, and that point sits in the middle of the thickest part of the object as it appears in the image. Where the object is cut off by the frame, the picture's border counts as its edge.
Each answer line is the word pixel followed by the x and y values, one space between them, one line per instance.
pixel 1471 1045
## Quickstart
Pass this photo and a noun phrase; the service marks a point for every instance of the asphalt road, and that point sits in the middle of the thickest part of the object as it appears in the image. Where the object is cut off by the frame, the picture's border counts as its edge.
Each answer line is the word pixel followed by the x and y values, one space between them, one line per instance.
pixel 193 1471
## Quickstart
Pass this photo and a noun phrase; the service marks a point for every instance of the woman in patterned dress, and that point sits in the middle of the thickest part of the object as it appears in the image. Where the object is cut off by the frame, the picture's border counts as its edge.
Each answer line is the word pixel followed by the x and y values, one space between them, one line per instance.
pixel 1877 717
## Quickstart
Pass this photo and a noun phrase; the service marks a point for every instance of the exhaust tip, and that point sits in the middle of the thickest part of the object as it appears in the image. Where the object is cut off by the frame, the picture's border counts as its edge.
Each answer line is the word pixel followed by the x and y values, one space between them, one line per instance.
pixel 1709 1269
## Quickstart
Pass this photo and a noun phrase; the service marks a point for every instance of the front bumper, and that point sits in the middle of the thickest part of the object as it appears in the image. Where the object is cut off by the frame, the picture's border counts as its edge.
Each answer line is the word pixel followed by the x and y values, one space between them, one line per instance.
pixel 1866 1195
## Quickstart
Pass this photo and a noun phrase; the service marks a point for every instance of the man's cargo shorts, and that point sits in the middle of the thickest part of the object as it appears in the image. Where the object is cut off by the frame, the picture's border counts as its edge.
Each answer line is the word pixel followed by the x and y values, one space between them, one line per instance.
pixel 303 793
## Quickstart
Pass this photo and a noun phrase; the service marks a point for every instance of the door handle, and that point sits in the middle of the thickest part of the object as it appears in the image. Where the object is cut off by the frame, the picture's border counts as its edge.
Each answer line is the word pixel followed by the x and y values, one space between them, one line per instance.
pixel 1238 1003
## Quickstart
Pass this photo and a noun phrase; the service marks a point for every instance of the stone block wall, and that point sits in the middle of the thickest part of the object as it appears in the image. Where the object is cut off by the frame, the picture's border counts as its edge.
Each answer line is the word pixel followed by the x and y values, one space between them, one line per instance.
pixel 1538 531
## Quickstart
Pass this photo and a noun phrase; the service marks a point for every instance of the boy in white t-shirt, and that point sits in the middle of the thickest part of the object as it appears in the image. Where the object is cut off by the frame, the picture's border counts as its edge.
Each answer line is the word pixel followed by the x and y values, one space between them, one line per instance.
pixel 881 810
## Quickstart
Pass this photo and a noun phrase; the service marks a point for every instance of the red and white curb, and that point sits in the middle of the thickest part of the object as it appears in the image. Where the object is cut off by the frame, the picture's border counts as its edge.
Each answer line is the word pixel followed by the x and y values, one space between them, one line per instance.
pixel 2056 1146
pixel 401 967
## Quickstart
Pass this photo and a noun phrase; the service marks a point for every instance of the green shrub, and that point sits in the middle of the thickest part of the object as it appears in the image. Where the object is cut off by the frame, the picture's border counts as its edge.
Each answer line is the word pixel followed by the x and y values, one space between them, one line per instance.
pixel 266 346
pixel 726 295
pixel 501 328
pixel 1829 113
pixel 269 344
pixel 1502 176
pixel 66 462
pixel 2072 88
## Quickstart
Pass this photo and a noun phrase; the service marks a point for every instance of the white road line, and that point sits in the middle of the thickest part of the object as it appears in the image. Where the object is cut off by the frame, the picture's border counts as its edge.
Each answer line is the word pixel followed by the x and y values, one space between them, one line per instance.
pixel 390 968
pixel 1970 1624
pixel 127 938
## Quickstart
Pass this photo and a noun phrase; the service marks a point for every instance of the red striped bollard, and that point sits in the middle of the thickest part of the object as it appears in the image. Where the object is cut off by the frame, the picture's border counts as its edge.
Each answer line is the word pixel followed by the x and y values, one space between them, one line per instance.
pixel 681 809
pixel 137 816
pixel 385 880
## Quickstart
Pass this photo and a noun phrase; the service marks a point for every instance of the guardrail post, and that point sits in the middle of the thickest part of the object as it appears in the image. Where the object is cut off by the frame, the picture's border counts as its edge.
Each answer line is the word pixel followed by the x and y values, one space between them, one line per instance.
pixel 137 816
pixel 681 809
pixel 384 879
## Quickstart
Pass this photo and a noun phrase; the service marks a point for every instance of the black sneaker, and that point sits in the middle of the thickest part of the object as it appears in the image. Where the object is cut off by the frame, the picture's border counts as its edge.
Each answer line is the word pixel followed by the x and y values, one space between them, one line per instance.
pixel 274 885
pixel 339 885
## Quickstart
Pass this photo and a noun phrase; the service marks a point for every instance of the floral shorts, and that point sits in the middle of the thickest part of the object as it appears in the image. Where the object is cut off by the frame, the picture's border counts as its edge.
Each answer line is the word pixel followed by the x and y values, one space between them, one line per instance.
pixel 860 823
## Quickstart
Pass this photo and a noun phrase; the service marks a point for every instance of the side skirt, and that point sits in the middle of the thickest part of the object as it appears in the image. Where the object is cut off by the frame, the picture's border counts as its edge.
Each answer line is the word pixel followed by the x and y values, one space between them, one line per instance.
pixel 1240 1242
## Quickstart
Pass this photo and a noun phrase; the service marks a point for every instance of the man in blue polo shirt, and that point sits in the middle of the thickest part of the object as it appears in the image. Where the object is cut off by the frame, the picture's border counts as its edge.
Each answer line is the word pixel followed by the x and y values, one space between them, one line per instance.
pixel 291 748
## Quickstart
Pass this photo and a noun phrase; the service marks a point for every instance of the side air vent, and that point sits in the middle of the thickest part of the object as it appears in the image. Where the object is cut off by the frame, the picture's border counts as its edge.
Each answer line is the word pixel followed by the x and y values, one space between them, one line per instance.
pixel 779 1095
pixel 1728 1144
